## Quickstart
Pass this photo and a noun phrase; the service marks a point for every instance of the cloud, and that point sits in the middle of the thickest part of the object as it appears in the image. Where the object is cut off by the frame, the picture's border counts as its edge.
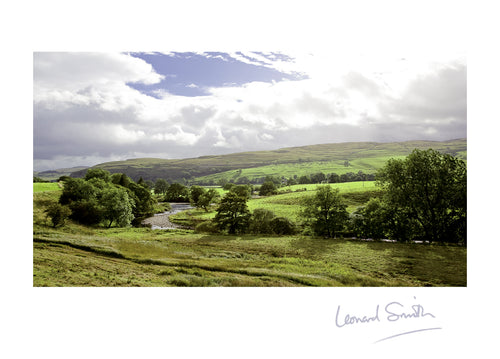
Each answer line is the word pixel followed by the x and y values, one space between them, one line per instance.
pixel 85 109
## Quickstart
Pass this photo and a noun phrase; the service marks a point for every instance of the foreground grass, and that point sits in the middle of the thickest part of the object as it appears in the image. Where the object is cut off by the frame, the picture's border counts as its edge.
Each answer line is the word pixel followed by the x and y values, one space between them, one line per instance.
pixel 143 257
pixel 76 255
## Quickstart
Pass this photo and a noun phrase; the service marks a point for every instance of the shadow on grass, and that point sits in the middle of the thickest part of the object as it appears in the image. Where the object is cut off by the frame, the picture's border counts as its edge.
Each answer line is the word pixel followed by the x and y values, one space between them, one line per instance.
pixel 431 265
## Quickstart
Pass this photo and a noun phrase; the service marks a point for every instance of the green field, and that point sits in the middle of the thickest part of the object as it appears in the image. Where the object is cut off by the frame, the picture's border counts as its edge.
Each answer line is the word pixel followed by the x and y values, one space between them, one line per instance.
pixel 367 165
pixel 43 187
pixel 287 203
pixel 76 255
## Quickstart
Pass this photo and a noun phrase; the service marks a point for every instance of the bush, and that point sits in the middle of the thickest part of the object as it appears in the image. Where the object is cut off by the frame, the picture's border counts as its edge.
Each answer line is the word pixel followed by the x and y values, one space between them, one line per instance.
pixel 282 225
pixel 260 221
pixel 268 188
pixel 58 214
pixel 207 227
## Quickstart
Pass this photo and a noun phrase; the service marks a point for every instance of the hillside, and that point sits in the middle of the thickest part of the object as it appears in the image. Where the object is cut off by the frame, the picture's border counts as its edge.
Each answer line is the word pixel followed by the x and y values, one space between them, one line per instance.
pixel 327 158
pixel 52 175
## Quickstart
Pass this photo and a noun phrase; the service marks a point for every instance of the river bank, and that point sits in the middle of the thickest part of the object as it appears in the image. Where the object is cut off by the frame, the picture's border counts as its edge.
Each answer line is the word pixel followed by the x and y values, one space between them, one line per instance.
pixel 162 221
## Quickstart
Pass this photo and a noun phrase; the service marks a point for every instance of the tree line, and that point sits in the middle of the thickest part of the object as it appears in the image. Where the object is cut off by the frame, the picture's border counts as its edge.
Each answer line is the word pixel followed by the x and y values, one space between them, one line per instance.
pixel 312 178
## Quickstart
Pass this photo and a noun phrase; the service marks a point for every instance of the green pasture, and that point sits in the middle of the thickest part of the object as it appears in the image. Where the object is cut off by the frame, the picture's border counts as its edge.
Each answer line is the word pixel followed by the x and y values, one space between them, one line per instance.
pixel 289 170
pixel 288 202
pixel 43 187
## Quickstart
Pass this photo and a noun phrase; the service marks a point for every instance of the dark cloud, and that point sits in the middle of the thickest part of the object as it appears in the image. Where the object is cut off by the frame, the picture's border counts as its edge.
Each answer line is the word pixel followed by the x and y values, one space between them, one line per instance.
pixel 437 96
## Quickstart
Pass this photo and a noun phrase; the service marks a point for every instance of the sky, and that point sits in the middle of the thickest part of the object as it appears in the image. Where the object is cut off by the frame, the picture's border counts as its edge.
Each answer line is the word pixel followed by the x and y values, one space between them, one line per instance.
pixel 94 107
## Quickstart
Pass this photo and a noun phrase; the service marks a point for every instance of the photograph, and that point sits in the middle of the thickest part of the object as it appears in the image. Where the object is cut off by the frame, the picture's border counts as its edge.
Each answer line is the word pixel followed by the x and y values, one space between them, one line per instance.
pixel 249 169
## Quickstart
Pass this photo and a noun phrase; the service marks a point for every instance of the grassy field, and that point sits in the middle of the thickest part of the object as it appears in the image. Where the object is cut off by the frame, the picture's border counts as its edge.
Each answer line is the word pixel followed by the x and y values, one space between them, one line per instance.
pixel 289 200
pixel 43 187
pixel 76 255
pixel 367 165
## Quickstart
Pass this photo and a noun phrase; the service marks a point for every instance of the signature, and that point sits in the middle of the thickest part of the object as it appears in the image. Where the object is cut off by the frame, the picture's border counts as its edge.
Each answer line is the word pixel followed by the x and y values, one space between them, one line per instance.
pixel 392 312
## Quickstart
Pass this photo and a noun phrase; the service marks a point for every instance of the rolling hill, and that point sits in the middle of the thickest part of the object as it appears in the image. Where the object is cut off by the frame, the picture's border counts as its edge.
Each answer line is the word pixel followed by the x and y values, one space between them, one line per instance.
pixel 52 175
pixel 327 158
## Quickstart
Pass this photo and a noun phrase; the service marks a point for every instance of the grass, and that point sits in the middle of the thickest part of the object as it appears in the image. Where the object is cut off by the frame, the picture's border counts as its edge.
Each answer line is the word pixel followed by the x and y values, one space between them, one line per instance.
pixel 367 165
pixel 76 255
pixel 287 203
pixel 44 187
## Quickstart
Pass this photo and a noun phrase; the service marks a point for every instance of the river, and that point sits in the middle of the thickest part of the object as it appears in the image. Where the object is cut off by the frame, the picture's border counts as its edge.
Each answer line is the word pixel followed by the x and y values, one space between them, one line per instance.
pixel 161 220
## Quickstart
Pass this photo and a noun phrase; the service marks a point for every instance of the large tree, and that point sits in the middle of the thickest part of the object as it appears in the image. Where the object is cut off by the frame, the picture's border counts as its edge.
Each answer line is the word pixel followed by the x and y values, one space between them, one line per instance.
pixel 430 189
pixel 117 206
pixel 233 214
pixel 207 198
pixel 161 186
pixel 177 192
pixel 325 212
pixel 195 192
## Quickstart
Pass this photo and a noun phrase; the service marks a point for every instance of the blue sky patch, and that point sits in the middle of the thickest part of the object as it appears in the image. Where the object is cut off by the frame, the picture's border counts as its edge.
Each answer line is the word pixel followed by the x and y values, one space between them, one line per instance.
pixel 191 74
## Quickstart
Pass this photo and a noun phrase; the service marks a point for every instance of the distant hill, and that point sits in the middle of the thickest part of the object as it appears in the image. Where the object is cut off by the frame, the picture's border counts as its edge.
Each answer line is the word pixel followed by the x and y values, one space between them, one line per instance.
pixel 52 175
pixel 327 158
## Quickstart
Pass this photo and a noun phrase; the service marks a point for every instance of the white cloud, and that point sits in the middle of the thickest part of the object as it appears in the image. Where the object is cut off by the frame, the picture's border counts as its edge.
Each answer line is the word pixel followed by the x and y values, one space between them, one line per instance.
pixel 83 106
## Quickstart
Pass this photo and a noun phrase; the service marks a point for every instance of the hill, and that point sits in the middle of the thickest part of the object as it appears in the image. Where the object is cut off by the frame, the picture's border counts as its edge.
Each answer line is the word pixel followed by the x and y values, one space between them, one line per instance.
pixel 52 175
pixel 327 158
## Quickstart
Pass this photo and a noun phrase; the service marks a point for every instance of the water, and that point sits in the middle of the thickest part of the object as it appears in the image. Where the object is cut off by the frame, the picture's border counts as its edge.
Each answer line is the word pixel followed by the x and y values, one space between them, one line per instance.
pixel 161 220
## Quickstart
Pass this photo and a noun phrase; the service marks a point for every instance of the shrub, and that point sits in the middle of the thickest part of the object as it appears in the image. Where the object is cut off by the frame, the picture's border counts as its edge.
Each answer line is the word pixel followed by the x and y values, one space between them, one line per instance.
pixel 58 214
pixel 282 225
pixel 260 222
pixel 207 227
pixel 268 188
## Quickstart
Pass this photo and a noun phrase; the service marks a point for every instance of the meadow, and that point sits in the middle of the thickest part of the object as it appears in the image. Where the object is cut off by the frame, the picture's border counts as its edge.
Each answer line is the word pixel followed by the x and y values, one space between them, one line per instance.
pixel 43 187
pixel 289 170
pixel 287 203
pixel 76 255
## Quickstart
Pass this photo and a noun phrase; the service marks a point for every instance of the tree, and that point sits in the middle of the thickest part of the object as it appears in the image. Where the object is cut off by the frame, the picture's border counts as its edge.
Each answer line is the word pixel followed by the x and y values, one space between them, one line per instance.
pixel 177 192
pixel 430 189
pixel 124 180
pixel 318 177
pixel 242 190
pixel 333 178
pixel 207 198
pixel 117 207
pixel 243 180
pixel 141 182
pixel 98 173
pixel 325 212
pixel 233 214
pixel 268 188
pixel 143 200
pixel 304 179
pixel 58 214
pixel 150 184
pixel 260 222
pixel 371 220
pixel 195 192
pixel 291 181
pixel 161 186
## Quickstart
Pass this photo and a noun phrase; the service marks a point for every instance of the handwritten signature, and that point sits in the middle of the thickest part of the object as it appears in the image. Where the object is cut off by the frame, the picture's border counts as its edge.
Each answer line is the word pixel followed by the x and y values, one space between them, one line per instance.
pixel 392 312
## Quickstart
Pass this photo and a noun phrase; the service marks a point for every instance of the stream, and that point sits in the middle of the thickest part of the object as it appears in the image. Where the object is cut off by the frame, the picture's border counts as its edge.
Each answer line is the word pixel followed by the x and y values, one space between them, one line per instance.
pixel 161 220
